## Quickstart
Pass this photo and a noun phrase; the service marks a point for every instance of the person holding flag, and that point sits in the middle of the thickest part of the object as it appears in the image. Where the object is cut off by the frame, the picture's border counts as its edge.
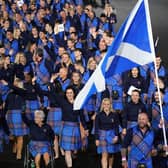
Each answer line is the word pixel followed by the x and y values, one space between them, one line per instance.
pixel 133 46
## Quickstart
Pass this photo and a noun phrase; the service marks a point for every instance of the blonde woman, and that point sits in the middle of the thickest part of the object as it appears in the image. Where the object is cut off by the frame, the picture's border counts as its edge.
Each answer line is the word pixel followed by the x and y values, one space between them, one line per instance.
pixel 18 129
pixel 107 133
pixel 20 65
pixel 20 58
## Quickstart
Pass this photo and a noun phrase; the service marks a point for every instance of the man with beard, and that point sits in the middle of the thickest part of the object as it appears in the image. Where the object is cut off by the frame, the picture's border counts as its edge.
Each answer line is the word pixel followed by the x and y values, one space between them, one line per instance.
pixel 139 140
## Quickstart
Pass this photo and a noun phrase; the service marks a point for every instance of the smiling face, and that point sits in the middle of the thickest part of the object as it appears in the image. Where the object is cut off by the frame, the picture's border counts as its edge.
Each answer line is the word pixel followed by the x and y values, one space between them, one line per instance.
pixel 142 120
pixel 106 105
pixel 135 96
pixel 38 119
pixel 70 95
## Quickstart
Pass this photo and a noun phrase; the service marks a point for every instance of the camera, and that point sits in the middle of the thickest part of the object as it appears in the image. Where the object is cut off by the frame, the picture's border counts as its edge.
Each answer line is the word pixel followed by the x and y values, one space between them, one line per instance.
pixel 115 94
pixel 141 165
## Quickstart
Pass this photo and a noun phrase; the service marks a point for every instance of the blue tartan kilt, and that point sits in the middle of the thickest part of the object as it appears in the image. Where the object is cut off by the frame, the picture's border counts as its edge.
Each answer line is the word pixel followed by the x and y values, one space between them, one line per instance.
pixel 31 106
pixel 105 142
pixel 54 119
pixel 132 163
pixel 39 147
pixel 70 137
pixel 16 125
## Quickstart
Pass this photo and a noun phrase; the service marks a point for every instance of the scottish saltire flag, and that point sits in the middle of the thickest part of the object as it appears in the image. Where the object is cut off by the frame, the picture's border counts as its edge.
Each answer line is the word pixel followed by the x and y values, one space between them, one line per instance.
pixel 133 46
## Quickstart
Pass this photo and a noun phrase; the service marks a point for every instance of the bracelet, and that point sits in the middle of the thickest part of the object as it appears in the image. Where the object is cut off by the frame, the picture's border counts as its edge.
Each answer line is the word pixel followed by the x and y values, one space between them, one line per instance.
pixel 124 159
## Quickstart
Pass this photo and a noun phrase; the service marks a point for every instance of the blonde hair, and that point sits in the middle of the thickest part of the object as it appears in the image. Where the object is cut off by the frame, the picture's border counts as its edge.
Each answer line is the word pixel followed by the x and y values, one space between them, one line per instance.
pixel 18 56
pixel 15 33
pixel 106 100
pixel 91 59
pixel 39 113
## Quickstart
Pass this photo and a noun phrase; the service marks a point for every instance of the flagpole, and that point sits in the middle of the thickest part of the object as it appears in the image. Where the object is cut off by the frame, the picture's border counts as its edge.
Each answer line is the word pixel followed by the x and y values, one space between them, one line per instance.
pixel 156 72
pixel 160 105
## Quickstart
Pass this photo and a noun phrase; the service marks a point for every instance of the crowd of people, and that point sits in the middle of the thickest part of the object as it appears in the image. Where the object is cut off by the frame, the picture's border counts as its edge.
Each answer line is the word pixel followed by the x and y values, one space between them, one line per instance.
pixel 48 51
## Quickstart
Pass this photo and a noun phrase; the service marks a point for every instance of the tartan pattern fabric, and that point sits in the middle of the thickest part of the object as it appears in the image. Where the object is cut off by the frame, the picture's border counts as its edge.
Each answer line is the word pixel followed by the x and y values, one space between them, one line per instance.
pixel 70 137
pixel 131 124
pixel 141 145
pixel 105 142
pixel 41 72
pixel 90 104
pixel 16 125
pixel 39 147
pixel 114 83
pixel 31 106
pixel 54 119
pixel 156 116
pixel 165 114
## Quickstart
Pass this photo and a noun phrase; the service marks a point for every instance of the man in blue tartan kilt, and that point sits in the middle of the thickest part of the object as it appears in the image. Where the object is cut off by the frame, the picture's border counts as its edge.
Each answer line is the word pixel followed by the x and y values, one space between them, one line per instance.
pixel 140 139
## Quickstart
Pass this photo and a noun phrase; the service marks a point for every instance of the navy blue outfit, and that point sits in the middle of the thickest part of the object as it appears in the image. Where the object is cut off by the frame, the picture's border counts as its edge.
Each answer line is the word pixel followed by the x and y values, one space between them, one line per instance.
pixel 70 138
pixel 30 97
pixel 130 113
pixel 41 137
pixel 106 128
pixel 13 106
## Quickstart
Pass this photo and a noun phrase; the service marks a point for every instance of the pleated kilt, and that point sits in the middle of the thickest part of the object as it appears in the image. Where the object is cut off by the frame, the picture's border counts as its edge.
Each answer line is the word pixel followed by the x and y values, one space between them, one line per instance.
pixel 16 125
pixel 54 119
pixel 70 137
pixel 31 106
pixel 39 147
pixel 132 163
pixel 105 142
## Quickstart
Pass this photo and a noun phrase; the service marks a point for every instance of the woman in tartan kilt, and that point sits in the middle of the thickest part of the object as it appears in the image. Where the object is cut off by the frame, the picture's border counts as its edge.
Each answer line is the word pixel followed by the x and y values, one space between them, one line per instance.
pixel 70 136
pixel 29 94
pixel 13 106
pixel 42 137
pixel 107 133
pixel 54 117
